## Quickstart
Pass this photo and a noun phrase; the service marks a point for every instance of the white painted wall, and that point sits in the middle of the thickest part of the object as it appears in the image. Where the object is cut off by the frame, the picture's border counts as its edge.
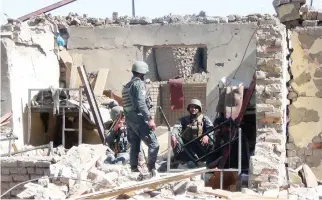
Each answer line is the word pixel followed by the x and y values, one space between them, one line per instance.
pixel 32 63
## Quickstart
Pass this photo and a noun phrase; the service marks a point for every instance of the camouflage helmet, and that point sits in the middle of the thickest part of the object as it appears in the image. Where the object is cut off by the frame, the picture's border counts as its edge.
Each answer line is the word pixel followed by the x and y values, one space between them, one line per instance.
pixel 140 67
pixel 196 102
pixel 115 111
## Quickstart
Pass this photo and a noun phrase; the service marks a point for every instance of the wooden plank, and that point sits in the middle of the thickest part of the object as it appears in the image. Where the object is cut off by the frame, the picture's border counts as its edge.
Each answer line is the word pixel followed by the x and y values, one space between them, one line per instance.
pixel 5 117
pixel 75 80
pixel 145 184
pixel 92 103
pixel 101 81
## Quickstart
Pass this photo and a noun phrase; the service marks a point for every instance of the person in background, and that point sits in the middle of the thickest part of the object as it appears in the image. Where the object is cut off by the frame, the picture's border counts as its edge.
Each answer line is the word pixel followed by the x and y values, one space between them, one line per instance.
pixel 140 125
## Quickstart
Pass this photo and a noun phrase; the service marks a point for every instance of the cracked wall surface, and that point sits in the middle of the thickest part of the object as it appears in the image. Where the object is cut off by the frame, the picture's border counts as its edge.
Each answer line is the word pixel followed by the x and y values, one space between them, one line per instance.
pixel 31 63
pixel 116 48
pixel 305 111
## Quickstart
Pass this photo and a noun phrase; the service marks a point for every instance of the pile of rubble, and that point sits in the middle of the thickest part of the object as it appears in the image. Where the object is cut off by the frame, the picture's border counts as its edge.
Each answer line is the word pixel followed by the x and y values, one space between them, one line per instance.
pixel 84 170
pixel 297 13
pixel 75 19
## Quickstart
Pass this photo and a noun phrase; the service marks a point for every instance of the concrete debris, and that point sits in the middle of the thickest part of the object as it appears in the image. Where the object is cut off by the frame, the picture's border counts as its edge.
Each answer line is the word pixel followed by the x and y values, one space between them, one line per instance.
pixel 83 170
pixel 75 19
pixel 293 13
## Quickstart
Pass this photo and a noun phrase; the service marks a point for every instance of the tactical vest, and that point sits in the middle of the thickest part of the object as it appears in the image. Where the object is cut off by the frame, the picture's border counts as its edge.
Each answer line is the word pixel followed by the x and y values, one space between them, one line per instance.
pixel 194 129
pixel 127 100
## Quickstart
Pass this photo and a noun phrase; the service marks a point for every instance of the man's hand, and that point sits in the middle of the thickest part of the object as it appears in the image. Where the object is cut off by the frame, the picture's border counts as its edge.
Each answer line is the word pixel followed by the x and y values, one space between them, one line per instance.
pixel 174 141
pixel 151 124
pixel 204 140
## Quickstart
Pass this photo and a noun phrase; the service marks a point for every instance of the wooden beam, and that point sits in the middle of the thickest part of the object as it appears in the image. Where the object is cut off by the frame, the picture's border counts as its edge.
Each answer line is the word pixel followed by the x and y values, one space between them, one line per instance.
pixel 92 102
pixel 144 184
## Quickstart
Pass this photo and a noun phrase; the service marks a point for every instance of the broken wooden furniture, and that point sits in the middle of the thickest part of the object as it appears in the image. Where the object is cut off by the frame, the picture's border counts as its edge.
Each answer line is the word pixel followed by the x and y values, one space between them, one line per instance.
pixel 50 108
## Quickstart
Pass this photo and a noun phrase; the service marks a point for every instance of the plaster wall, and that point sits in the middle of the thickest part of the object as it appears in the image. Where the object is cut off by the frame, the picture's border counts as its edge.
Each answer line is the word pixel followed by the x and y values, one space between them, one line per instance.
pixel 31 63
pixel 305 127
pixel 116 48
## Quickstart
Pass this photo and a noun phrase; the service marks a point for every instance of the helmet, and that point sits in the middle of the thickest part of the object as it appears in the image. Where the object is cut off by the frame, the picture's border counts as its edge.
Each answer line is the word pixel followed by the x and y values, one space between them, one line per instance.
pixel 140 67
pixel 195 102
pixel 115 111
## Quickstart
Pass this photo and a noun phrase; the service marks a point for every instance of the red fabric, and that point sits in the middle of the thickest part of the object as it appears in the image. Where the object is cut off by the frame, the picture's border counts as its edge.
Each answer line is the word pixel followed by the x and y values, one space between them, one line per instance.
pixel 176 94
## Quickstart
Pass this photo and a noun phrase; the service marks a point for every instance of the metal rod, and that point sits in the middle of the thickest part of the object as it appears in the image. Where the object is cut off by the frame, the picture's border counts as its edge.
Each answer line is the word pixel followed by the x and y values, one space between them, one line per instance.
pixel 169 139
pixel 80 118
pixel 63 128
pixel 9 138
pixel 133 8
pixel 239 150
pixel 26 150
pixel 221 179
pixel 46 9
pixel 311 3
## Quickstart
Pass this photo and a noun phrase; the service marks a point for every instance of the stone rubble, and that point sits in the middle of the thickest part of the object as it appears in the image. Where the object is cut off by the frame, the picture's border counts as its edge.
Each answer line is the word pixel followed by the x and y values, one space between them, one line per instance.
pixel 296 13
pixel 87 162
pixel 75 19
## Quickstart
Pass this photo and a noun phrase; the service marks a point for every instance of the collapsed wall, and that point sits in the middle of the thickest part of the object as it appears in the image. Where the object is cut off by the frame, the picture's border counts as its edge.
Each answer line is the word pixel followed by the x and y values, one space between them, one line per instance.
pixel 267 169
pixel 304 89
pixel 31 62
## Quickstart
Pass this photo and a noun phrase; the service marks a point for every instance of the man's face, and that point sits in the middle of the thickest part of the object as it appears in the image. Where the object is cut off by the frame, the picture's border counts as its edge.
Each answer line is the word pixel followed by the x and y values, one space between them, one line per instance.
pixel 193 109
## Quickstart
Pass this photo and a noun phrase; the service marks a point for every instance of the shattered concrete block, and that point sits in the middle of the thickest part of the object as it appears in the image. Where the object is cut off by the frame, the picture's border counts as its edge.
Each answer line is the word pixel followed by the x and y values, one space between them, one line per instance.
pixel 289 12
pixel 304 9
pixel 271 193
pixel 44 181
pixel 180 188
pixel 310 23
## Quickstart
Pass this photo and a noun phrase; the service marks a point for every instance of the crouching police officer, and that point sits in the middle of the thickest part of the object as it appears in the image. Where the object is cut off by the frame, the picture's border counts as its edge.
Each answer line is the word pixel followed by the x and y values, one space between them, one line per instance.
pixel 117 137
pixel 188 128
pixel 140 125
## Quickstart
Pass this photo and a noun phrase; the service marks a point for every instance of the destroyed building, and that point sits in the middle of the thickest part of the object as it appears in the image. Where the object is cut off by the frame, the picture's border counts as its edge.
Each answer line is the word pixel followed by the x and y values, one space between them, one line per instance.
pixel 280 56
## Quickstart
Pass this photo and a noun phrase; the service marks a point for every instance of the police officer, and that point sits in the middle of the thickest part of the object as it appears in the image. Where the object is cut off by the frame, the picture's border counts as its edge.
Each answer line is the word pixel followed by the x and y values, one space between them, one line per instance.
pixel 140 125
pixel 117 138
pixel 188 128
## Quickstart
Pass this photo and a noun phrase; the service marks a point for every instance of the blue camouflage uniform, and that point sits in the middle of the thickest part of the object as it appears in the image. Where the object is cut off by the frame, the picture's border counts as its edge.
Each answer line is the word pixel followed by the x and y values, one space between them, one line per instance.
pixel 136 110
pixel 118 142
pixel 186 129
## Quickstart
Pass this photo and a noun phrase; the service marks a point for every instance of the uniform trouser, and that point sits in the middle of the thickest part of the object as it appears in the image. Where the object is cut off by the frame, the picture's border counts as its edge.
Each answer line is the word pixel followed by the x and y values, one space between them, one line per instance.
pixel 192 148
pixel 137 131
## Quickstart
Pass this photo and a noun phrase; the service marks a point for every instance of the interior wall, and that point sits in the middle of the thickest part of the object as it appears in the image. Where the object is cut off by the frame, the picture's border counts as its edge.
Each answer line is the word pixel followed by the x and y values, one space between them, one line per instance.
pixel 115 48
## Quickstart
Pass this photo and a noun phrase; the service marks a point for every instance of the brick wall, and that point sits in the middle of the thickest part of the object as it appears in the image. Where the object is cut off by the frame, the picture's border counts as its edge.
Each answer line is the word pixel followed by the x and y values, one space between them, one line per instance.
pixel 267 169
pixel 15 170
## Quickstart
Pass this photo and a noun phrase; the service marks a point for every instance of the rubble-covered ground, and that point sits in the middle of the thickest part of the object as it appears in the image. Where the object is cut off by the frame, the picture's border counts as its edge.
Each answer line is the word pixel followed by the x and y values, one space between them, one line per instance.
pixel 83 170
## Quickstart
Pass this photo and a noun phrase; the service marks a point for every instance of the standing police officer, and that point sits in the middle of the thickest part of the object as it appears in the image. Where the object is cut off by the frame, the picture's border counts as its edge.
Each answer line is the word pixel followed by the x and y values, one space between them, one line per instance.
pixel 140 125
